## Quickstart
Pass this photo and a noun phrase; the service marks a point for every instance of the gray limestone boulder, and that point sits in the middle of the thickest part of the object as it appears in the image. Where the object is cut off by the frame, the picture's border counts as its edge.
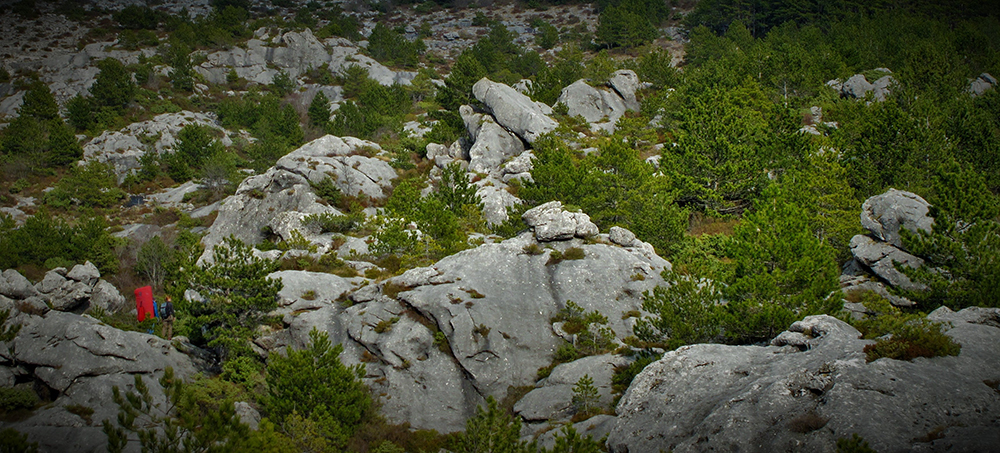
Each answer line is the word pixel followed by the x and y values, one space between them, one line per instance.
pixel 513 110
pixel 553 398
pixel 86 273
pixel 496 199
pixel 981 84
pixel 255 204
pixel 494 303
pixel 492 145
pixel 594 105
pixel 626 82
pixel 63 347
pixel 107 298
pixel 883 215
pixel 882 258
pixel 789 398
pixel 423 385
pixel 551 222
pixel 857 86
pixel 346 161
pixel 16 286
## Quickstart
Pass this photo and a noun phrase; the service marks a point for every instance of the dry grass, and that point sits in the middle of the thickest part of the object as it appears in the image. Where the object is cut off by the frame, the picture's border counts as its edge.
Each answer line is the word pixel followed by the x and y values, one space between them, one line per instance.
pixel 701 224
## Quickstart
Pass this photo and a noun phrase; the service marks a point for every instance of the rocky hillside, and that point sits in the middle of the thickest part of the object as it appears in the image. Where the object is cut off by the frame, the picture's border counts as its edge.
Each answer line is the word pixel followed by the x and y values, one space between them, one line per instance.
pixel 628 225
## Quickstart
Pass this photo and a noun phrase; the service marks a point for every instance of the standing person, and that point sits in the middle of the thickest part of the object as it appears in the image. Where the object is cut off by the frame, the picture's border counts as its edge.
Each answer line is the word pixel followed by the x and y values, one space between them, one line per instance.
pixel 167 315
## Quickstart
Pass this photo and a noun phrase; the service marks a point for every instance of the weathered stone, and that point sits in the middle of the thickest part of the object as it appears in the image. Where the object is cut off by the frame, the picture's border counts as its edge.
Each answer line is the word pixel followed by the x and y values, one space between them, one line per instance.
pixel 341 159
pixel 495 200
pixel 17 287
pixel 881 258
pixel 550 222
pixel 553 400
pixel 520 164
pixel 85 273
pixel 593 104
pixel 622 236
pixel 493 144
pixel 64 347
pixel 52 282
pixel 493 282
pixel 512 110
pixel 716 397
pixel 247 414
pixel 885 214
pixel 626 82
pixel 106 297
pixel 981 84
pixel 857 86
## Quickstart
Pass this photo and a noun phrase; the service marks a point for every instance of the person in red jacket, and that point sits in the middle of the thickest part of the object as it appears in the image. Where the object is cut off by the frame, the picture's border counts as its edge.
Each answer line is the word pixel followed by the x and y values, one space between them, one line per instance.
pixel 167 315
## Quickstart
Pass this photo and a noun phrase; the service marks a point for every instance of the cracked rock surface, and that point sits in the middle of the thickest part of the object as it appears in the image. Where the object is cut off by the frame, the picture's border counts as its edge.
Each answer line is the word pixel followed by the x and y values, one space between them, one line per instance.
pixel 815 388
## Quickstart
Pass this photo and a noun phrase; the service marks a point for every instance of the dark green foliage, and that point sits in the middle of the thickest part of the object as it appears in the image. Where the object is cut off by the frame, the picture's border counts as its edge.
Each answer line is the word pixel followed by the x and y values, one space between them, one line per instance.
pixel 494 56
pixel 282 84
pixel 585 397
pixel 901 336
pixel 195 144
pixel 391 47
pixel 43 237
pixel 567 440
pixel 684 312
pixel 114 87
pixel 12 399
pixel 196 417
pixel 339 24
pixel 727 138
pixel 319 111
pixel 965 243
pixel 39 103
pixel 378 110
pixel 79 112
pixel 492 430
pixel 12 441
pixel 314 384
pixel 627 23
pixel 238 297
pixel 91 185
pixel 64 149
pixel 135 17
pixel 885 146
pixel 327 191
pixel 547 35
pixel 654 67
pixel 330 223
pixel 614 187
pixel 275 124
pixel 182 74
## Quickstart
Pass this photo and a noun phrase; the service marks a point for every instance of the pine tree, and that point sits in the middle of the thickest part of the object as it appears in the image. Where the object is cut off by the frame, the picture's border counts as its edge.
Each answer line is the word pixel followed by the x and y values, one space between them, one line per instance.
pixel 585 396
pixel 313 383
pixel 39 103
pixel 114 87
pixel 64 149
pixel 319 111
pixel 238 295
pixel 491 430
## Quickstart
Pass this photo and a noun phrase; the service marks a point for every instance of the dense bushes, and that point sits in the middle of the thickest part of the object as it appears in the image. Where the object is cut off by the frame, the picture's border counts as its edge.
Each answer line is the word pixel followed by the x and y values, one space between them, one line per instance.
pixel 38 137
pixel 391 47
pixel 313 385
pixel 43 238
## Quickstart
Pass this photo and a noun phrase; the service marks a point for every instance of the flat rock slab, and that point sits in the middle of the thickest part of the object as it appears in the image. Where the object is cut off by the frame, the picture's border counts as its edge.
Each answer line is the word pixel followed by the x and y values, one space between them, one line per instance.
pixel 778 398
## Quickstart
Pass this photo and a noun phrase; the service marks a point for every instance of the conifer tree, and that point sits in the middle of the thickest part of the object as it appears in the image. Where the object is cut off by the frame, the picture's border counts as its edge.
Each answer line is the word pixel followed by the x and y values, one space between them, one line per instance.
pixel 319 111
pixel 238 295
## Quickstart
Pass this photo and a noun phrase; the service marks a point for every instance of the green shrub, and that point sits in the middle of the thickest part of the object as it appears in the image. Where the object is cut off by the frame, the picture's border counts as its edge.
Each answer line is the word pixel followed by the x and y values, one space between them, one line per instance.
pixel 853 444
pixel 899 335
pixel 586 399
pixel 624 375
pixel 14 441
pixel 315 384
pixel 391 47
pixel 12 399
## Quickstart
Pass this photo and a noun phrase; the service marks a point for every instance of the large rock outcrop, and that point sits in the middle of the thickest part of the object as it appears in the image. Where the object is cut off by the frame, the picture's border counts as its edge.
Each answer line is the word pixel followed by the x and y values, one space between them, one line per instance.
pixel 77 360
pixel 813 386
pixel 878 254
pixel 602 107
pixel 124 148
pixel 492 144
pixel 857 86
pixel 78 290
pixel 280 198
pixel 513 110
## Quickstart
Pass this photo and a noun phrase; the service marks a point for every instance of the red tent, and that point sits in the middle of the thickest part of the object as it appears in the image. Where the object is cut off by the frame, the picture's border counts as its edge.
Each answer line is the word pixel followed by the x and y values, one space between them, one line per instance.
pixel 144 303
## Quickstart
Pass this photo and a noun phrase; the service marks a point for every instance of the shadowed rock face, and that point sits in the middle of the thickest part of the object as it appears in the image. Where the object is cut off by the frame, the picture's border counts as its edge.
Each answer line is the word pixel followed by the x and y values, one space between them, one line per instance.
pixel 811 387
